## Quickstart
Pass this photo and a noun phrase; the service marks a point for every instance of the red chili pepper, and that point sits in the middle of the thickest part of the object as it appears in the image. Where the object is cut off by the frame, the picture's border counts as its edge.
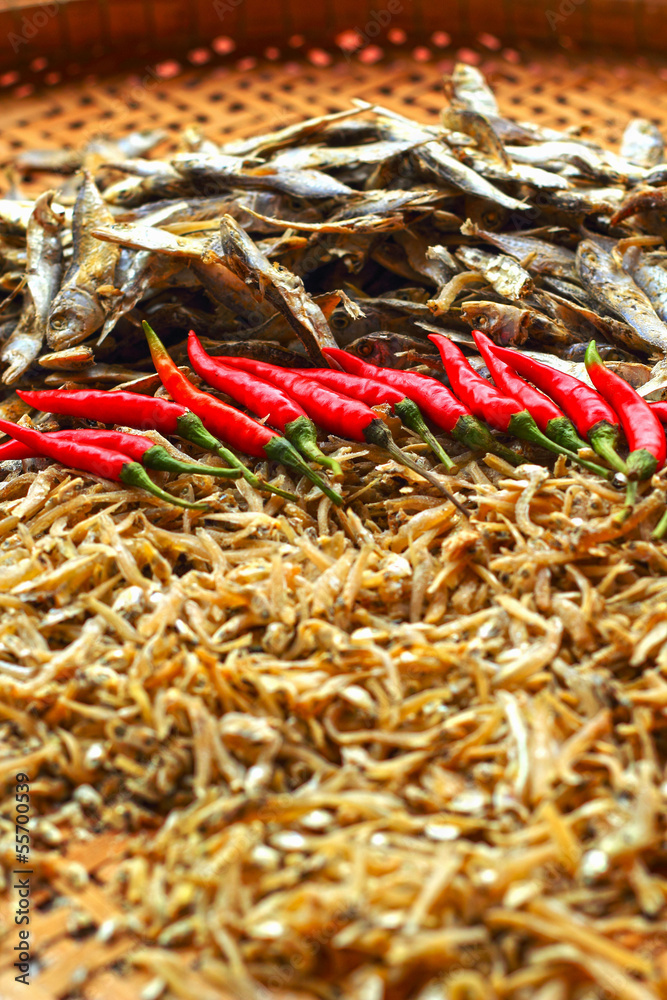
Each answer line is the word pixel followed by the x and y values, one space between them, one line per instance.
pixel 374 393
pixel 142 412
pixel 433 398
pixel 501 411
pixel 642 428
pixel 141 449
pixel 13 450
pixel 104 462
pixel 238 428
pixel 590 414
pixel 660 410
pixel 548 417
pixel 266 400
pixel 338 414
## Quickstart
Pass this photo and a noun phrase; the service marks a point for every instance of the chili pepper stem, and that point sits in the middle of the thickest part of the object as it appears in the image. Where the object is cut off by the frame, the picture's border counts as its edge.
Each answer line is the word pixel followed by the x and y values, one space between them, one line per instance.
pixel 641 464
pixel 378 433
pixel 134 474
pixel 630 498
pixel 412 418
pixel 660 529
pixel 190 427
pixel 280 450
pixel 303 435
pixel 603 437
pixel 159 458
pixel 471 432
pixel 523 426
pixel 563 432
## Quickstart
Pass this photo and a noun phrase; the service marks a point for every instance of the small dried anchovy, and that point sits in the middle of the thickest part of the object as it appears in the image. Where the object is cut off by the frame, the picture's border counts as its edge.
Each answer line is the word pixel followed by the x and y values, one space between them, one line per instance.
pixel 368 752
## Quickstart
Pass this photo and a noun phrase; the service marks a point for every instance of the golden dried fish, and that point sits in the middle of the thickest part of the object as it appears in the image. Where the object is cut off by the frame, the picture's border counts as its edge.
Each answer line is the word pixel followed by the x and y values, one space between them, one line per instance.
pixel 43 273
pixel 503 273
pixel 649 271
pixel 283 289
pixel 71 359
pixel 537 255
pixel 478 127
pixel 613 288
pixel 77 310
pixel 642 143
pixel 229 171
pixel 468 86
pixel 513 325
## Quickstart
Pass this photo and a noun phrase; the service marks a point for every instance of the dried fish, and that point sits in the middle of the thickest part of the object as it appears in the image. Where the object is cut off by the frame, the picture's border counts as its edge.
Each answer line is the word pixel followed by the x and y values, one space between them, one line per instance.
pixel 642 143
pixel 44 267
pixel 283 289
pixel 615 289
pixel 504 274
pixel 77 310
pixel 513 325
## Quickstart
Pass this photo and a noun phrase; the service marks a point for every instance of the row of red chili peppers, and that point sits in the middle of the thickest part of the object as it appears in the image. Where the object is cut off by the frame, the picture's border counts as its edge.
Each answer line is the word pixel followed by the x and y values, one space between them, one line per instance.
pixel 340 402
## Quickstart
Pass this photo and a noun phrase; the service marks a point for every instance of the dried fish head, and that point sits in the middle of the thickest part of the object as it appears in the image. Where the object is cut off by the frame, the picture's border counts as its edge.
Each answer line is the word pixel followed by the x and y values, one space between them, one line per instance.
pixel 76 317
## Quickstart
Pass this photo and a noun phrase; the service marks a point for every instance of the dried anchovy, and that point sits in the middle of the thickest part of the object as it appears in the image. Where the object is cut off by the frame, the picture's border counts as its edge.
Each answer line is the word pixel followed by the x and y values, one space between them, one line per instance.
pixel 374 750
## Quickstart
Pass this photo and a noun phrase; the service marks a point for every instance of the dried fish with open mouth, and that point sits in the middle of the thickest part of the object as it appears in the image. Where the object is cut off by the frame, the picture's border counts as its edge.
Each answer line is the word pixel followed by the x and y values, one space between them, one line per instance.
pixel 78 309
pixel 44 268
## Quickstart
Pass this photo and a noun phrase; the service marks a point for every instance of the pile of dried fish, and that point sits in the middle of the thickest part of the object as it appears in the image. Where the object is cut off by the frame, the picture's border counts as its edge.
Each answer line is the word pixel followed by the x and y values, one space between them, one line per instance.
pixel 372 751
pixel 359 228
pixel 376 751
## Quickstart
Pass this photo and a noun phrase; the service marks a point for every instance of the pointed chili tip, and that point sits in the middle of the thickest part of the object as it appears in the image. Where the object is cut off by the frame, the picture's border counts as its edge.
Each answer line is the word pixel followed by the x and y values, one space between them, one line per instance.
pixel 592 357
pixel 148 330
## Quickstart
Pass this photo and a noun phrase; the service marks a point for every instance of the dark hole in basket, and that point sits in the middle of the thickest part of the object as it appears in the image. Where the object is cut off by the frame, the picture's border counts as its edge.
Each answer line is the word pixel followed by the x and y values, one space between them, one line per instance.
pixel 85 100
pixel 215 97
pixel 202 118
pixel 75 124
pixel 236 106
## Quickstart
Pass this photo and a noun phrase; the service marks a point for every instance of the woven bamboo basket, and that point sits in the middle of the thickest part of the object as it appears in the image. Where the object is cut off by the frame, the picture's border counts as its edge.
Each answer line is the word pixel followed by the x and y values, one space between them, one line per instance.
pixel 74 68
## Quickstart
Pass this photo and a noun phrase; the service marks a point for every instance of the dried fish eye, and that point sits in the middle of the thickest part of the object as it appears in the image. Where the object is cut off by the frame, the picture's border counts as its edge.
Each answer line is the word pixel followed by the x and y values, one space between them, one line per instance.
pixel 339 321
